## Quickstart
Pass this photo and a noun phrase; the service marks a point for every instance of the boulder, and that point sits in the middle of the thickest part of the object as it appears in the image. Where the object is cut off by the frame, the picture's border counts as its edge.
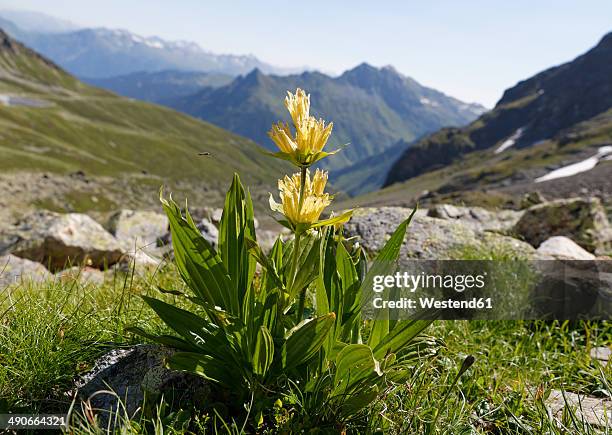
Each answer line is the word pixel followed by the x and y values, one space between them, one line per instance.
pixel 130 374
pixel 60 240
pixel 477 218
pixel 85 275
pixel 583 220
pixel 562 248
pixel 208 230
pixel 138 230
pixel 595 411
pixel 15 270
pixel 427 237
pixel 139 262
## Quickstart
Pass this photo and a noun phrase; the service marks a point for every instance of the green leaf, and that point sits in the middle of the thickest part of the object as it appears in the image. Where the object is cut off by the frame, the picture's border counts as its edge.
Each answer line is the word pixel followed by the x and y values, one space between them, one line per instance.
pixel 264 351
pixel 344 217
pixel 237 224
pixel 384 264
pixel 266 263
pixel 354 363
pixel 210 368
pixel 403 333
pixel 305 339
pixel 308 263
pixel 356 401
pixel 166 340
pixel 198 263
pixel 195 330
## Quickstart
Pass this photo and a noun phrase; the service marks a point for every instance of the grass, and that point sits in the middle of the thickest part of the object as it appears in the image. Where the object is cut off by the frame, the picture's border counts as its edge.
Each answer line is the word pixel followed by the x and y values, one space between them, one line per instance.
pixel 50 333
pixel 109 138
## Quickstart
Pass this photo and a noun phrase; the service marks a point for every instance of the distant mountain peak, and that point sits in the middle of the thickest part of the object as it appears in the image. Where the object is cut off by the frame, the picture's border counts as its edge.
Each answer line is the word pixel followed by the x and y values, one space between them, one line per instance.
pixel 542 109
pixel 37 22
pixel 103 53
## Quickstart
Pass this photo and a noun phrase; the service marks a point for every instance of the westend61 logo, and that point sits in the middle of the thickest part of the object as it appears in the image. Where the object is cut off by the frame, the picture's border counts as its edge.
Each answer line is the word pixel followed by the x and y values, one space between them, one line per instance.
pixel 410 282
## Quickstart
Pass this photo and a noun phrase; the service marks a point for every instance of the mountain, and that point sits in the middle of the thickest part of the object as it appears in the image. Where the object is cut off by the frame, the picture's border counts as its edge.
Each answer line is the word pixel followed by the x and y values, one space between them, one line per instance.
pixel 101 52
pixel 69 146
pixel 158 86
pixel 558 117
pixel 31 21
pixel 372 108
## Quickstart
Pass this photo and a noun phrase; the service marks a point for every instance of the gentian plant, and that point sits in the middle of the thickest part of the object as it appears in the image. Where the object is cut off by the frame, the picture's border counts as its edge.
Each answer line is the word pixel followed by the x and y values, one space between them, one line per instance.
pixel 249 332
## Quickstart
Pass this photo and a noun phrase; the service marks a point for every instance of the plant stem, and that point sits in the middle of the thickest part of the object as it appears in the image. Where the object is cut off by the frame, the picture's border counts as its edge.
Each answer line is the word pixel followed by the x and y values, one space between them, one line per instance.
pixel 302 186
pixel 296 247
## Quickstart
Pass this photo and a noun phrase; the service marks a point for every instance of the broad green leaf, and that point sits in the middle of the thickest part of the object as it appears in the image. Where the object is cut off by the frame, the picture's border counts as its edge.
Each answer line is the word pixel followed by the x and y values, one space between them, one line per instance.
pixel 166 340
pixel 358 400
pixel 344 217
pixel 264 352
pixel 237 224
pixel 403 334
pixel 193 329
pixel 198 263
pixel 305 339
pixel 354 363
pixel 308 263
pixel 208 367
pixel 351 297
pixel 384 264
pixel 266 263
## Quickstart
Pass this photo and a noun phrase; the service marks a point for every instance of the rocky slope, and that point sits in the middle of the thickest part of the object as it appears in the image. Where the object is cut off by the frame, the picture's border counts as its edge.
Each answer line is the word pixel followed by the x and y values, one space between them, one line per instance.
pixel 67 146
pixel 372 108
pixel 560 116
pixel 75 246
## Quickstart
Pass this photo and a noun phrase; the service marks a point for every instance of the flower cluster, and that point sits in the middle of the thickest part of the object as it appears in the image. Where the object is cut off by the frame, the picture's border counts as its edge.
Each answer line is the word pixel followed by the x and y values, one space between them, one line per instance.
pixel 314 199
pixel 303 199
pixel 305 147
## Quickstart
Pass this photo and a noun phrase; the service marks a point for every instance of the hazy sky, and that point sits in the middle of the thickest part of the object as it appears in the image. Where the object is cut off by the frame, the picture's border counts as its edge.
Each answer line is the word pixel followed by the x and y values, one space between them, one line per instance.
pixel 472 50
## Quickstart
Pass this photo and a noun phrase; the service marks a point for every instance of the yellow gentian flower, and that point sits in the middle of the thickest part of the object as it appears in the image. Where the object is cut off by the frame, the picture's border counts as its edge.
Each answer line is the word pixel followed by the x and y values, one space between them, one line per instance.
pixel 314 198
pixel 305 215
pixel 305 147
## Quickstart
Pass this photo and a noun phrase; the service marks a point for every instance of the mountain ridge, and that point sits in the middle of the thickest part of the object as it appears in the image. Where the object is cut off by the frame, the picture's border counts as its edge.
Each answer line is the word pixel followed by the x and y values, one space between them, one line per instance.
pixel 102 52
pixel 372 108
pixel 530 112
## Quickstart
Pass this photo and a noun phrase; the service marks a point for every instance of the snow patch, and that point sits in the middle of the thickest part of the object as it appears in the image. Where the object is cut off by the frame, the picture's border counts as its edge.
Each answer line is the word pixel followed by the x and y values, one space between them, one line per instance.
pixel 603 153
pixel 154 43
pixel 510 141
pixel 427 102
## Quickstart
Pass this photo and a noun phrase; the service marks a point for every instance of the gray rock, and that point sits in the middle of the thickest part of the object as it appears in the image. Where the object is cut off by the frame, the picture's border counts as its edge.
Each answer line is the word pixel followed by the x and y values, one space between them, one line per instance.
pixel 209 231
pixel 85 275
pixel 427 237
pixel 602 354
pixel 60 240
pixel 15 270
pixel 133 373
pixel 138 230
pixel 477 218
pixel 593 410
pixel 583 220
pixel 139 262
pixel 562 248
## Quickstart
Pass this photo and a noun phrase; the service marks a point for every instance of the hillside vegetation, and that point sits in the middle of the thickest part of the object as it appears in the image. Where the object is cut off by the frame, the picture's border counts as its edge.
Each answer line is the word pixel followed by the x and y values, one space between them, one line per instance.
pixel 60 135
